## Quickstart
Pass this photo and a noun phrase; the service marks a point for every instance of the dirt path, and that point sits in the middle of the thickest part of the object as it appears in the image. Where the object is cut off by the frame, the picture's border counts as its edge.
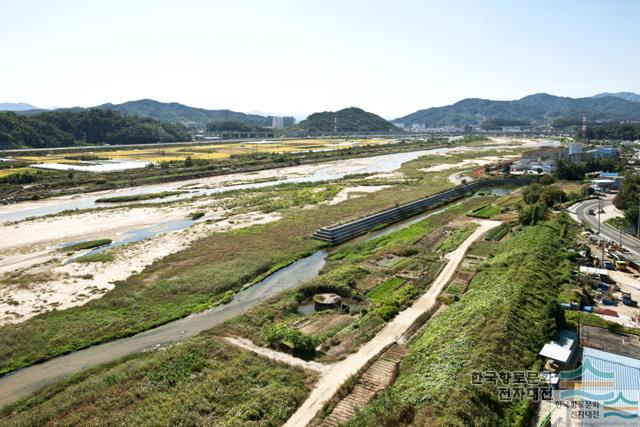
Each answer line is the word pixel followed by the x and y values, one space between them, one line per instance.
pixel 276 355
pixel 339 372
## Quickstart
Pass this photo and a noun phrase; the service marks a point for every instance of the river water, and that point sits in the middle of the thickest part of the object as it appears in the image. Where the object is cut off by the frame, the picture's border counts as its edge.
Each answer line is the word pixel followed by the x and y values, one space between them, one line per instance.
pixel 294 174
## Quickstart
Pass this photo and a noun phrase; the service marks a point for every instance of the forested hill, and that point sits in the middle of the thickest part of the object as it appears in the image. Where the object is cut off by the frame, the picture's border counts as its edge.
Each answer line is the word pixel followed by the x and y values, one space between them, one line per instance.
pixel 539 109
pixel 69 128
pixel 346 120
pixel 178 113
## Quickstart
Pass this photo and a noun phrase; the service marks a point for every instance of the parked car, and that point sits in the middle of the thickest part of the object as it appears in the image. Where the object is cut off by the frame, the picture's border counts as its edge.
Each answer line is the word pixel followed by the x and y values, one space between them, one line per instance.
pixel 608 265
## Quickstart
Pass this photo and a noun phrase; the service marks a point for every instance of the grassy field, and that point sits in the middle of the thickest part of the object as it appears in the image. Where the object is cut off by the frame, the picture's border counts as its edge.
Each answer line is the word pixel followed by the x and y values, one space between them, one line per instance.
pixel 138 197
pixel 500 324
pixel 488 211
pixel 89 244
pixel 347 271
pixel 457 236
pixel 385 288
pixel 199 382
pixel 194 279
pixel 213 151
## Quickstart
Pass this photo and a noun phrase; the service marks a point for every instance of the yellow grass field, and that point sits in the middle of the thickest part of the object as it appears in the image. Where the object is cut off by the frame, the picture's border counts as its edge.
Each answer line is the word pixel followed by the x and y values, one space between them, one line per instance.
pixel 7 172
pixel 211 151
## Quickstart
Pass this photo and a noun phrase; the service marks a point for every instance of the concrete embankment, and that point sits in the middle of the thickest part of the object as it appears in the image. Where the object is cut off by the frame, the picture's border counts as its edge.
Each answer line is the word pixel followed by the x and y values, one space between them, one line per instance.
pixel 343 232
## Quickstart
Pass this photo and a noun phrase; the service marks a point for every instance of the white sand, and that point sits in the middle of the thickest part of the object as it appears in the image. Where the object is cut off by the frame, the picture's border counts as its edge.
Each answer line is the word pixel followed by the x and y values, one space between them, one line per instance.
pixel 467 163
pixel 85 226
pixel 78 283
pixel 354 192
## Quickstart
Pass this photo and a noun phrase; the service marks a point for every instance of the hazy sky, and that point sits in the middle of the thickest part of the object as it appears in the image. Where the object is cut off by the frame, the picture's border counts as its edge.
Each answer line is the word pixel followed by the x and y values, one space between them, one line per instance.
pixel 390 57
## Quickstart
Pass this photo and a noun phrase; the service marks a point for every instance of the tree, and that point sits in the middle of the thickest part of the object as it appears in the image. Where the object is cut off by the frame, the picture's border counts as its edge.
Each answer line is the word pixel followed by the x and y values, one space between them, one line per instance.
pixel 531 215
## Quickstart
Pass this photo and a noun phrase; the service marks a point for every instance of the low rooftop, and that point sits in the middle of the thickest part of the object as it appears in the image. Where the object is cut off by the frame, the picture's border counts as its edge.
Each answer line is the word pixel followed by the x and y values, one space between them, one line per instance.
pixel 613 342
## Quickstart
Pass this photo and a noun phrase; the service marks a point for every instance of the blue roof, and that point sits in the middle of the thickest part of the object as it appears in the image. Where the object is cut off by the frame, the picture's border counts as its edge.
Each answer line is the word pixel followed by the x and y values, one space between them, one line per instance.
pixel 625 369
pixel 610 174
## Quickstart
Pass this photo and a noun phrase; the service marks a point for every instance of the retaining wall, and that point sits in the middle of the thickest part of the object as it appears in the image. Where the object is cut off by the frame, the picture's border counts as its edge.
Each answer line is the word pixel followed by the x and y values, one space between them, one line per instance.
pixel 341 233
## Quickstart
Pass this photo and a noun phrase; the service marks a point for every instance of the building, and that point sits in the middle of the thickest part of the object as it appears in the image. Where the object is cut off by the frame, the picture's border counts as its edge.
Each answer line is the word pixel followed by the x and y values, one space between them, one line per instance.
pixel 563 351
pixel 546 154
pixel 607 182
pixel 531 167
pixel 574 152
pixel 603 153
pixel 281 122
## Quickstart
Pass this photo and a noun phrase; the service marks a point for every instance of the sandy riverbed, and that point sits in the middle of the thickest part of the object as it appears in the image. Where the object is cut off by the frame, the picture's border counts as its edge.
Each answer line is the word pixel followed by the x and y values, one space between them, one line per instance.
pixel 74 284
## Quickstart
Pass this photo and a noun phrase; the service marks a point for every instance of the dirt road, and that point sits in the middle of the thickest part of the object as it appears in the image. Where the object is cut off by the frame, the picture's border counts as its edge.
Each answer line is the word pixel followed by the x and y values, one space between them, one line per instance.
pixel 339 372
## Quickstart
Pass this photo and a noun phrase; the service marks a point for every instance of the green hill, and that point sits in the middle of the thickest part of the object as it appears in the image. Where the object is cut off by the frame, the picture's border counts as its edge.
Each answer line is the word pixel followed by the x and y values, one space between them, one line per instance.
pixel 346 120
pixel 540 109
pixel 174 112
pixel 69 128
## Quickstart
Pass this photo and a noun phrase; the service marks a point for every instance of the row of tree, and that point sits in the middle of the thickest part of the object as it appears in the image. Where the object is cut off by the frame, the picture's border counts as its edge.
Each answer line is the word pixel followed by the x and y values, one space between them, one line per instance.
pixel 68 128
pixel 231 126
pixel 618 131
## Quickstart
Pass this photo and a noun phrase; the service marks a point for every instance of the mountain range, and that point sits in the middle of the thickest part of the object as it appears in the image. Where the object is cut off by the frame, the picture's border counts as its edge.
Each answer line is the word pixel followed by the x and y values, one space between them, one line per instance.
pixel 629 96
pixel 540 109
pixel 171 112
pixel 16 106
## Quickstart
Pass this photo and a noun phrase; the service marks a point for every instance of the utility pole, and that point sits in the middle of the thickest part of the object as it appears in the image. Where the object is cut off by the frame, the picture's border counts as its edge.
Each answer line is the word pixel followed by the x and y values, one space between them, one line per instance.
pixel 599 209
pixel 620 240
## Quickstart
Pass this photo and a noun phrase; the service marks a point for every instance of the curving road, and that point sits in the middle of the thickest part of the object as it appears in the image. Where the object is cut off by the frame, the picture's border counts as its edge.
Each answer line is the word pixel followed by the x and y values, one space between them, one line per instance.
pixel 582 211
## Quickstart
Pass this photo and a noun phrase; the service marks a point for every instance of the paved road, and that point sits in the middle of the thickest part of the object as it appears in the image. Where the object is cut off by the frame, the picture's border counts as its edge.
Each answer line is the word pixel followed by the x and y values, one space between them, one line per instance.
pixel 339 372
pixel 582 211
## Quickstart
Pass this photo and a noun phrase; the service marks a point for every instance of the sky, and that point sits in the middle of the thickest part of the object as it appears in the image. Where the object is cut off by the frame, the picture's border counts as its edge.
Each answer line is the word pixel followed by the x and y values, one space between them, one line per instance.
pixel 297 57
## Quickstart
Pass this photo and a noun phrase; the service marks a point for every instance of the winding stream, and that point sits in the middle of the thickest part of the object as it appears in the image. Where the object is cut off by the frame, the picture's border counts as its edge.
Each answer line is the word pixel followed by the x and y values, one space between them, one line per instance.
pixel 328 171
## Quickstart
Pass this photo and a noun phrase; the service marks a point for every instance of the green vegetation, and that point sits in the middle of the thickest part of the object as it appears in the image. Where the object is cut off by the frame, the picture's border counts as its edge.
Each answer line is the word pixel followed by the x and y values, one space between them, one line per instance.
pixel 86 245
pixel 346 120
pixel 174 112
pixel 577 171
pixel 56 183
pixel 484 248
pixel 196 215
pixel 540 108
pixel 617 131
pixel 499 324
pixel 198 382
pixel 498 233
pixel 101 257
pixel 138 197
pixel 230 126
pixel 385 288
pixel 200 276
pixel 457 236
pixel 273 321
pixel 627 198
pixel 68 128
pixel 488 211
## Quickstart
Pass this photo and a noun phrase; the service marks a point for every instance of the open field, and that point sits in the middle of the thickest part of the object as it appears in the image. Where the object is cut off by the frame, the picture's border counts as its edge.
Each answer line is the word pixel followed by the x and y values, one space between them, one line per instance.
pixel 184 372
pixel 42 184
pixel 202 380
pixel 205 151
pixel 208 267
pixel 347 273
